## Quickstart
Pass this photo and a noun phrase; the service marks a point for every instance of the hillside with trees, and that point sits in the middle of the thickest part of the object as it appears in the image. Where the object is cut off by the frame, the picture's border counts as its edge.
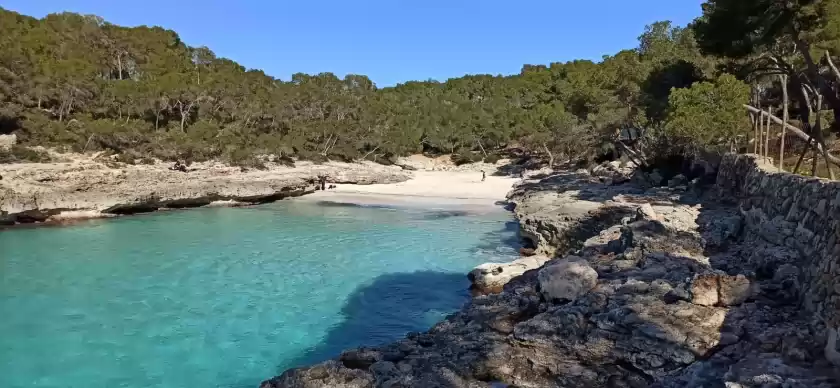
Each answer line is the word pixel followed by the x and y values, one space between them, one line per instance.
pixel 77 83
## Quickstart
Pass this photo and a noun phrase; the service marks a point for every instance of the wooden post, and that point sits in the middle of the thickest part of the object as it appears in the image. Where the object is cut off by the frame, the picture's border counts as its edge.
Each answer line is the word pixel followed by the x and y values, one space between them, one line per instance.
pixel 767 134
pixel 785 119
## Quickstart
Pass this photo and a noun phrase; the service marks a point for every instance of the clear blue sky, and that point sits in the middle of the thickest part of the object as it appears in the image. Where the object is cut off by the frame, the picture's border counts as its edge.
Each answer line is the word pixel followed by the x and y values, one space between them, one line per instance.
pixel 390 41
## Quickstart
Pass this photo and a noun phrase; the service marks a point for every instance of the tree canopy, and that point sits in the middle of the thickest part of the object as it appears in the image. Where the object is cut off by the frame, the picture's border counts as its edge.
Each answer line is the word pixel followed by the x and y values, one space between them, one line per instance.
pixel 79 83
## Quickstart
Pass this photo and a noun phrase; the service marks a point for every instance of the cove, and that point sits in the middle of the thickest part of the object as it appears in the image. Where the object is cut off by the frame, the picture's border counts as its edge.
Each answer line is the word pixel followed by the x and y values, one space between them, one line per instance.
pixel 229 297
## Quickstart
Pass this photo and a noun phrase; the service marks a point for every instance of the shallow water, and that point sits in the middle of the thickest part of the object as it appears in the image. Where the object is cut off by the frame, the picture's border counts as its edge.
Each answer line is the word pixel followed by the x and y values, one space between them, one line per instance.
pixel 229 297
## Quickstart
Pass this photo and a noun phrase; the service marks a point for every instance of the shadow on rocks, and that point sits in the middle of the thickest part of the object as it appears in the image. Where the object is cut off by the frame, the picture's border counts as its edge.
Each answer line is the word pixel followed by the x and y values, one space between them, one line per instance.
pixel 663 313
pixel 387 308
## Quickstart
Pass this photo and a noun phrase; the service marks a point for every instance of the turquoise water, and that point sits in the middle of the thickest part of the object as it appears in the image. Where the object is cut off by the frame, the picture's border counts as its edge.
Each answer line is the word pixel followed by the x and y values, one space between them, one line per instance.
pixel 228 297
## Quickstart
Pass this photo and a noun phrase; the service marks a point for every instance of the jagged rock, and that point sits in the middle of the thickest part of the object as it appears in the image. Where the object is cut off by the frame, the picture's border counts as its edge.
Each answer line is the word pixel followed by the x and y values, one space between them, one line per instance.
pixel 527 252
pixel 832 352
pixel 329 374
pixel 645 212
pixel 85 185
pixel 568 279
pixel 491 277
pixel 710 289
pixel 733 290
pixel 704 289
pixel 645 306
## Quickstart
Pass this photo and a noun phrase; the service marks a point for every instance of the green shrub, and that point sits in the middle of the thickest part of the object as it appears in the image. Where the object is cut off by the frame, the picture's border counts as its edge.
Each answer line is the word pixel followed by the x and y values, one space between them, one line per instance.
pixel 464 157
pixel 21 154
pixel 492 158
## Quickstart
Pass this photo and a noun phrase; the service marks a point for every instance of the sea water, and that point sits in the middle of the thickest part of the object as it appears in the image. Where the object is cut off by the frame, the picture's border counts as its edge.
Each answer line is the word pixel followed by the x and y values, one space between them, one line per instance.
pixel 229 297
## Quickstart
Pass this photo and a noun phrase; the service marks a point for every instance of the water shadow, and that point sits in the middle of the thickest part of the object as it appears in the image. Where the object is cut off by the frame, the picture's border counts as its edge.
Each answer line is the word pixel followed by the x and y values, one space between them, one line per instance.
pixel 352 205
pixel 387 308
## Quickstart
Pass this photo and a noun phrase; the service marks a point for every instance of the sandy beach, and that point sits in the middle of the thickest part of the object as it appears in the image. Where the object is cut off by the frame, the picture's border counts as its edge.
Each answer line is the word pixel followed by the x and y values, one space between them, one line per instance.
pixel 442 189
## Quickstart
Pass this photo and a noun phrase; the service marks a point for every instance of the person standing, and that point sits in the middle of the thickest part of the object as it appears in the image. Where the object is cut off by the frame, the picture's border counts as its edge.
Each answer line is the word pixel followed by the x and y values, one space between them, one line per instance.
pixel 483 175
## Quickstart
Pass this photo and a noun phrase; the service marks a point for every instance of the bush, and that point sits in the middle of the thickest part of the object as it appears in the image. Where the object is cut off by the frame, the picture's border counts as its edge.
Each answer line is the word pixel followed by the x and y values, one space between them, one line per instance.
pixel 707 114
pixel 492 158
pixel 21 154
pixel 465 157
pixel 244 158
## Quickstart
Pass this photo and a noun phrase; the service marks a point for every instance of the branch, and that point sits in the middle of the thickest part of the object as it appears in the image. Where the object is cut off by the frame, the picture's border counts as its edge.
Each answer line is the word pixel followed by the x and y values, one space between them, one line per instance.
pixel 796 131
pixel 833 68
pixel 368 154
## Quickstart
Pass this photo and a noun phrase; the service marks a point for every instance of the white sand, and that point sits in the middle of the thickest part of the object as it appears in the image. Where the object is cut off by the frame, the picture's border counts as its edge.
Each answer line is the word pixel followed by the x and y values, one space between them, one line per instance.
pixel 427 188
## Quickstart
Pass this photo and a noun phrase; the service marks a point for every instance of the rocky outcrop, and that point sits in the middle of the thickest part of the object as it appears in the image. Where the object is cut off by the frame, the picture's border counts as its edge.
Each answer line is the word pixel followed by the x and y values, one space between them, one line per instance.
pixel 85 187
pixel 645 300
pixel 567 279
pixel 491 277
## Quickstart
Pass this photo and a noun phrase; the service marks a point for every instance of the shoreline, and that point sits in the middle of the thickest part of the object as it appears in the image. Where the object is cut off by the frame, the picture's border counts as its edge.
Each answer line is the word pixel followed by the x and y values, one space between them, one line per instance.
pixel 82 188
pixel 659 280
pixel 440 189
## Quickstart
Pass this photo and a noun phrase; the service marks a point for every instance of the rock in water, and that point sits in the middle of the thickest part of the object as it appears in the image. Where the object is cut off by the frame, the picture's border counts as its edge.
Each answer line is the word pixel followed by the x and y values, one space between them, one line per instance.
pixel 568 279
pixel 491 277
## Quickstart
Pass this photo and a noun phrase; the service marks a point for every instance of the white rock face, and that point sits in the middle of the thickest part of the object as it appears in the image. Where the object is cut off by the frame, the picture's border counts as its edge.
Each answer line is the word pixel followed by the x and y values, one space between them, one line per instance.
pixel 567 279
pixel 7 141
pixel 491 277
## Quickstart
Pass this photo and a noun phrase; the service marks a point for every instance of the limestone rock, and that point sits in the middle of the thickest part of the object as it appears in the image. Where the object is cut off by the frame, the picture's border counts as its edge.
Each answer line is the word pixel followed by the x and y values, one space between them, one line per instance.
pixel 646 212
pixel 733 290
pixel 7 141
pixel 491 277
pixel 704 289
pixel 568 279
pixel 710 289
pixel 86 185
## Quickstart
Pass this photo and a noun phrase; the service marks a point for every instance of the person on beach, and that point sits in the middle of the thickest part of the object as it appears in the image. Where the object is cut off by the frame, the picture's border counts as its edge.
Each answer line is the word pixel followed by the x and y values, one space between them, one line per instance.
pixel 483 175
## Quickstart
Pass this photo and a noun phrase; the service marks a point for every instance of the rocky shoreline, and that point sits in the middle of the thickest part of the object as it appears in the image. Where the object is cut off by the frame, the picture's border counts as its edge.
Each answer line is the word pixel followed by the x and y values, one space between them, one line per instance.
pixel 83 188
pixel 632 285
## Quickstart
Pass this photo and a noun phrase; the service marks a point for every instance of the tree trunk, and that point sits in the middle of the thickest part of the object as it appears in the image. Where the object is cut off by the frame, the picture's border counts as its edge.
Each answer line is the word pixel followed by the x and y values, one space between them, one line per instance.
pixel 481 146
pixel 767 134
pixel 368 154
pixel 157 118
pixel 785 115
pixel 821 84
pixel 820 140
pixel 802 155
pixel 550 156
pixel 796 131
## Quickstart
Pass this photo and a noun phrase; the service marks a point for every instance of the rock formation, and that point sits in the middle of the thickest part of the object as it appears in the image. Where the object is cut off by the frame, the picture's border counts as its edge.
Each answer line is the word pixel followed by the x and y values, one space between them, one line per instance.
pixel 675 295
pixel 86 188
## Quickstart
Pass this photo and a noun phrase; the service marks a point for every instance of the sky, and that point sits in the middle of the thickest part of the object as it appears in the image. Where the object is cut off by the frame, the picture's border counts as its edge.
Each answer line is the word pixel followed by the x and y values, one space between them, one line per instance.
pixel 390 41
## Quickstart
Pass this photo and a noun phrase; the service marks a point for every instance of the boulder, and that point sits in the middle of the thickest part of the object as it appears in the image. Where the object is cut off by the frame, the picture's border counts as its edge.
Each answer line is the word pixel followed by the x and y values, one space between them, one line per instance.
pixel 711 288
pixel 491 277
pixel 733 290
pixel 567 280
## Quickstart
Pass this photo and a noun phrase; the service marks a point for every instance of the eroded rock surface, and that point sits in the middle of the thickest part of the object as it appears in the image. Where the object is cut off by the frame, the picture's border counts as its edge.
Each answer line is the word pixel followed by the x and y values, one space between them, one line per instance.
pixel 663 290
pixel 88 188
